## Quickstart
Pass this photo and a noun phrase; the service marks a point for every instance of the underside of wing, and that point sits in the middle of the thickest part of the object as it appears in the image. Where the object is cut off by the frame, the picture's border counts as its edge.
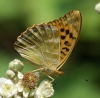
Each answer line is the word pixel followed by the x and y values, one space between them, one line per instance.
pixel 69 28
pixel 40 45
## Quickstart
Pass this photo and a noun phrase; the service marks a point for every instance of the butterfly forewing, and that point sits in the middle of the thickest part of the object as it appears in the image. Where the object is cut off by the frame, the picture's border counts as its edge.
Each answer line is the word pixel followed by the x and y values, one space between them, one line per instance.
pixel 49 45
pixel 69 30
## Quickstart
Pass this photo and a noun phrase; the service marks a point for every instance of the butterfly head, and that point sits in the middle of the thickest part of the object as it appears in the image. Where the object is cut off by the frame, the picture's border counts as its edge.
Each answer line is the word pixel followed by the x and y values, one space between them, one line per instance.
pixel 59 72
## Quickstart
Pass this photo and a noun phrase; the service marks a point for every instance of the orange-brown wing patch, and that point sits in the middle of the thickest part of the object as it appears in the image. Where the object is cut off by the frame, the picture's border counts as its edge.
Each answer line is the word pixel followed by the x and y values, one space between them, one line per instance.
pixel 69 30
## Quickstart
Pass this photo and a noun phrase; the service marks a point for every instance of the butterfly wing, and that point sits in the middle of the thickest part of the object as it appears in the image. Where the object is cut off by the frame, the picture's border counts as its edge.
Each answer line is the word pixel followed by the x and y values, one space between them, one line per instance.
pixel 69 28
pixel 40 45
pixel 49 45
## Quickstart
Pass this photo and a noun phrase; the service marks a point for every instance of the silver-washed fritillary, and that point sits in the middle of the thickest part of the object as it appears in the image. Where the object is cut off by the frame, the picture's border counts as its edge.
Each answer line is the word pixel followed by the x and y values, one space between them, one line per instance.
pixel 48 45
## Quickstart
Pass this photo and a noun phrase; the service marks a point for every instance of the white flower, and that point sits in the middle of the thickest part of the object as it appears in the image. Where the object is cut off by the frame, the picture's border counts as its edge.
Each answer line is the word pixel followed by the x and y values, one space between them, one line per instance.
pixel 21 88
pixel 8 89
pixel 16 65
pixel 0 96
pixel 44 90
pixel 32 93
pixel 27 81
pixel 2 81
pixel 17 96
pixel 97 7
pixel 20 75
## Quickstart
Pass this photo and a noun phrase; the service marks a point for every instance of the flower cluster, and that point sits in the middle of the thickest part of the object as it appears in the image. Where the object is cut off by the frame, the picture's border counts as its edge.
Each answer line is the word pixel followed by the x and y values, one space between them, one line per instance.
pixel 23 85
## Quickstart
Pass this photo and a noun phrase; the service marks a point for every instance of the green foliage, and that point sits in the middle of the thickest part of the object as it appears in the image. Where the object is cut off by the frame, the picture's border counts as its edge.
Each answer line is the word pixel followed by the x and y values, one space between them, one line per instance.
pixel 17 15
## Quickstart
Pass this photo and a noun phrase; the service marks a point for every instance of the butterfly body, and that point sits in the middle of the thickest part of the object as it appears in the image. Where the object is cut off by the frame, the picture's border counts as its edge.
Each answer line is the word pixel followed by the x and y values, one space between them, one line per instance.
pixel 48 45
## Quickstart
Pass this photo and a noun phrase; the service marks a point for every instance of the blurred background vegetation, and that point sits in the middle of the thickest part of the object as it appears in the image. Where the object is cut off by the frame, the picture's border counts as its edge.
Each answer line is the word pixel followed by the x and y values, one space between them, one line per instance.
pixel 17 15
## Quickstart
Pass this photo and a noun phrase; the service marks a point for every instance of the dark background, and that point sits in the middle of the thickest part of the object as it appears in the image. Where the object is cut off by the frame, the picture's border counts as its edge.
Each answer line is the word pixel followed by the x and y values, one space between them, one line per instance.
pixel 17 15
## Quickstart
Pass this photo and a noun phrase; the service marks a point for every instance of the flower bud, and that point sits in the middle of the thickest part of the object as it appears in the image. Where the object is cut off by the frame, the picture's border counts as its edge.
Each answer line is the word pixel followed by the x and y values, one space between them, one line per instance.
pixel 16 65
pixel 10 74
pixel 97 8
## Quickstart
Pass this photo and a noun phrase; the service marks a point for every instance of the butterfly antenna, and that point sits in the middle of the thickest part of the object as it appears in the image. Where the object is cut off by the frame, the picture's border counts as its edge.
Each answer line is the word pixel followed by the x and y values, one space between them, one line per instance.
pixel 74 69
pixel 72 74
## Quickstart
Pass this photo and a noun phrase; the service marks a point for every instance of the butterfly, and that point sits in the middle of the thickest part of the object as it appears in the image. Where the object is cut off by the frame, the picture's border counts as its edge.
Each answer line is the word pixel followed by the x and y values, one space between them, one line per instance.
pixel 48 45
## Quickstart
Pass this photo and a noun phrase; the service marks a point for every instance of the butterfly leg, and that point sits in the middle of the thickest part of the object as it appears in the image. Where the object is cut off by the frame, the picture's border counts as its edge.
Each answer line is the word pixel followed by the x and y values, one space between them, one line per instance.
pixel 40 69
pixel 52 79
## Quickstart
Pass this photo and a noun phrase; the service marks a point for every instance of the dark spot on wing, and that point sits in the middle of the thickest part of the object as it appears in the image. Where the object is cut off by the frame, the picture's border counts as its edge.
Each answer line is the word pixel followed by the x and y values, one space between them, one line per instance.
pixel 63 37
pixel 35 29
pixel 67 32
pixel 71 36
pixel 66 49
pixel 62 52
pixel 62 29
pixel 42 27
pixel 67 43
